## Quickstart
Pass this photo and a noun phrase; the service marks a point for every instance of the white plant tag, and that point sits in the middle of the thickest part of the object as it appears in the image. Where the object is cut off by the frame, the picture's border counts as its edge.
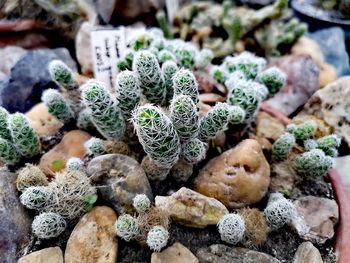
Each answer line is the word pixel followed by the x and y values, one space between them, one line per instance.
pixel 107 46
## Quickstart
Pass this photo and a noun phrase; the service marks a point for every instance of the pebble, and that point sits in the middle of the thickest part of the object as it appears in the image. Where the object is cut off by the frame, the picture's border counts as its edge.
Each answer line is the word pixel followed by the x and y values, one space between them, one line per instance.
pixel 307 253
pixel 53 254
pixel 174 254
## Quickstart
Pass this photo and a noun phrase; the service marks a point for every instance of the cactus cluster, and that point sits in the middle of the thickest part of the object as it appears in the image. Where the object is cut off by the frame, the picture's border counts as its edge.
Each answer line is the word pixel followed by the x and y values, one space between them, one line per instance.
pixel 17 137
pixel 150 226
pixel 317 155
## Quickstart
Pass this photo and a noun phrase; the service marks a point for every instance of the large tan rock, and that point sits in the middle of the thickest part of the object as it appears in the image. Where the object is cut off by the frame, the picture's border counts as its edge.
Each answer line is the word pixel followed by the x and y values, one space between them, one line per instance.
pixel 71 145
pixel 238 177
pixel 268 126
pixel 307 253
pixel 42 121
pixel 51 254
pixel 94 238
pixel 332 104
pixel 192 209
pixel 174 254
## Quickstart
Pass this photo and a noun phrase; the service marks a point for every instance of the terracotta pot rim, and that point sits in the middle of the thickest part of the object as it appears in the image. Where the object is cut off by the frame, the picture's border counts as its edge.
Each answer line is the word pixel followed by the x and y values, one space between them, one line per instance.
pixel 342 242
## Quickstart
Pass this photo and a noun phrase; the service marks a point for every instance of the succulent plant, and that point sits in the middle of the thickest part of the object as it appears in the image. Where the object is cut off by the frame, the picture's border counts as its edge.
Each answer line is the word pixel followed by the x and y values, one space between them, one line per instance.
pixel 273 78
pixel 35 197
pixel 231 228
pixel 127 91
pixel 303 131
pixel 30 175
pixel 193 151
pixel 185 83
pixel 157 238
pixel 74 163
pixel 328 144
pixel 157 135
pixel 62 74
pixel 165 55
pixel 8 152
pixel 183 114
pixel 141 203
pixel 283 146
pixel 278 211
pixel 105 113
pixel 4 131
pixel 48 225
pixel 219 74
pixel 203 58
pixel 185 55
pixel 95 146
pixel 215 120
pixel 237 115
pixel 57 105
pixel 24 138
pixel 127 227
pixel 84 120
pixel 169 68
pixel 314 163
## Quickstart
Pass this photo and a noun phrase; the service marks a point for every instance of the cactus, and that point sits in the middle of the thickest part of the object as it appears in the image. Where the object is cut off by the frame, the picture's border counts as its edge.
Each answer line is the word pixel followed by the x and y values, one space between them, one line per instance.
pixel 233 78
pixel 57 105
pixel 313 163
pixel 231 228
pixel 203 58
pixel 278 211
pixel 95 146
pixel 127 92
pixel 219 74
pixel 303 131
pixel 125 63
pixel 127 227
pixel 48 225
pixel 8 152
pixel 193 151
pixel 157 238
pixel 105 114
pixel 30 175
pixel 169 68
pixel 237 115
pixel 273 78
pixel 214 121
pixel 62 74
pixel 141 203
pixel 84 120
pixel 310 144
pixel 157 135
pixel 185 55
pixel 166 55
pixel 185 83
pixel 146 66
pixel 74 163
pixel 328 144
pixel 4 131
pixel 25 140
pixel 35 197
pixel 283 146
pixel 183 114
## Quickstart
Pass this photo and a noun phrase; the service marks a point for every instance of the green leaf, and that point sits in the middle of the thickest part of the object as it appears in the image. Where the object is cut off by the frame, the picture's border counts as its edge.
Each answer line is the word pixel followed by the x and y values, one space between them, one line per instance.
pixel 90 198
pixel 58 164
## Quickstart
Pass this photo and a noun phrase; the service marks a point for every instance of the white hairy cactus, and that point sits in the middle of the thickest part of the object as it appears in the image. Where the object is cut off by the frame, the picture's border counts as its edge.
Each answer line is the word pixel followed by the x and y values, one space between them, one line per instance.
pixel 278 211
pixel 74 163
pixel 48 225
pixel 141 203
pixel 57 105
pixel 95 146
pixel 127 227
pixel 231 228
pixel 185 83
pixel 157 238
pixel 35 197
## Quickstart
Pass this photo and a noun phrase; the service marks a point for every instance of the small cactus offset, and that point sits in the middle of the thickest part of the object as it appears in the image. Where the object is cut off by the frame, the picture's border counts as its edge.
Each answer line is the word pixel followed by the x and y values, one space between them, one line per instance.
pixel 8 152
pixel 35 197
pixel 169 68
pixel 183 114
pixel 231 228
pixel 95 146
pixel 214 121
pixel 25 140
pixel 283 146
pixel 62 74
pixel 4 131
pixel 237 115
pixel 127 227
pixel 219 74
pixel 57 105
pixel 48 225
pixel 157 238
pixel 30 175
pixel 141 203
pixel 74 163
pixel 328 144
pixel 147 69
pixel 314 163
pixel 105 113
pixel 84 120
pixel 273 78
pixel 193 151
pixel 204 58
pixel 157 135
pixel 303 131
pixel 185 54
pixel 278 211
pixel 185 83
pixel 127 92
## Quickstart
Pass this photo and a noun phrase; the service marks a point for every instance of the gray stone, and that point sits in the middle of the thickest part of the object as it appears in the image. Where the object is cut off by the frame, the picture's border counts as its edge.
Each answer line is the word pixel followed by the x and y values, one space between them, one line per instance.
pixel 15 226
pixel 224 254
pixel 9 56
pixel 332 44
pixel 22 89
pixel 119 178
pixel 307 253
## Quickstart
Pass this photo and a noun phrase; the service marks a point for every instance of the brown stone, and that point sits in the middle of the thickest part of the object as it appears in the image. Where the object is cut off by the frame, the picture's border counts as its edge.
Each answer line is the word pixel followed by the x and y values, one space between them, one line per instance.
pixel 211 98
pixel 174 254
pixel 283 177
pixel 51 254
pixel 94 238
pixel 328 74
pixel 238 177
pixel 192 209
pixel 71 145
pixel 268 126
pixel 42 121
pixel 307 253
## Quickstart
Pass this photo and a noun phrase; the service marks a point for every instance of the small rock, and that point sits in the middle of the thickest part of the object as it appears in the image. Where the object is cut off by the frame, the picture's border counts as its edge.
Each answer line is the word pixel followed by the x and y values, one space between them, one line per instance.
pixel 327 74
pixel 268 126
pixel 83 48
pixel 53 254
pixel 327 40
pixel 174 254
pixel 22 89
pixel 71 145
pixel 283 177
pixel 302 82
pixel 237 177
pixel 342 165
pixel 9 56
pixel 42 121
pixel 332 105
pixel 94 238
pixel 192 209
pixel 208 98
pixel 307 253
pixel 224 254
pixel 119 178
pixel 15 226
pixel 316 218
pixel 307 46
